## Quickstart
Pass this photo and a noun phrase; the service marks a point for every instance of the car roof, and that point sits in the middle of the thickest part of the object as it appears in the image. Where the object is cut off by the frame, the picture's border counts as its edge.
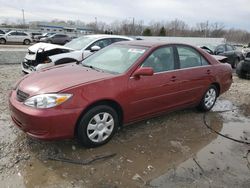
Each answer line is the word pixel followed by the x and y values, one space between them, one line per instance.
pixel 102 36
pixel 147 43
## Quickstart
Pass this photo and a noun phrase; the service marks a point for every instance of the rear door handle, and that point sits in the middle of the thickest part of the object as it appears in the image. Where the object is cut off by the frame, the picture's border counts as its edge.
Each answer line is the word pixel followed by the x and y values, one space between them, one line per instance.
pixel 173 78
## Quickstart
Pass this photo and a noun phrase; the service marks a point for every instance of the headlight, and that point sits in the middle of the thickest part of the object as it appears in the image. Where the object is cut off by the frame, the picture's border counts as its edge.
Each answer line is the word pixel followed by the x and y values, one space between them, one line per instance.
pixel 47 100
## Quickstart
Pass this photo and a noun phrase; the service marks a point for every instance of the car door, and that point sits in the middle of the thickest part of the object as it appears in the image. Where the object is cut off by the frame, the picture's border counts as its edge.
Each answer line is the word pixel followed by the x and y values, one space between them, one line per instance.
pixel 20 36
pixel 222 50
pixel 56 39
pixel 230 53
pixel 194 74
pixel 152 94
pixel 12 37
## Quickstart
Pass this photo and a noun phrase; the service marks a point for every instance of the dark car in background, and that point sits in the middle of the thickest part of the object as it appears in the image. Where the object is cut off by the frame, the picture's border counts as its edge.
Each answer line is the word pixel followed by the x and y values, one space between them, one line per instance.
pixel 56 39
pixel 233 55
pixel 243 68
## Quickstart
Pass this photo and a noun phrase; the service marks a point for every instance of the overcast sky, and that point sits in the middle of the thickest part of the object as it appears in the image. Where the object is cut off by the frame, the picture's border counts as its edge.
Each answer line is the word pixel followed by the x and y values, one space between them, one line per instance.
pixel 231 13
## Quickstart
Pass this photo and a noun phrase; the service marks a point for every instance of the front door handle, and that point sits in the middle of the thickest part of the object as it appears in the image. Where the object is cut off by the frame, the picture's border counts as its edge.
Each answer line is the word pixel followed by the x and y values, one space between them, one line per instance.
pixel 208 71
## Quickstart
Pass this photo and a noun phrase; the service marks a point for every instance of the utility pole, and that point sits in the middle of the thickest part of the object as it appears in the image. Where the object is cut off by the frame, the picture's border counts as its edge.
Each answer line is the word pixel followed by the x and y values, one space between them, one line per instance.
pixel 23 18
pixel 96 24
pixel 133 26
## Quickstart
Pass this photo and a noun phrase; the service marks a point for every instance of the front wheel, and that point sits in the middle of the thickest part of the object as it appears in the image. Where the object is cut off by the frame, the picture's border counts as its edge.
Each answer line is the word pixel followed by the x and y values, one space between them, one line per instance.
pixel 97 126
pixel 208 99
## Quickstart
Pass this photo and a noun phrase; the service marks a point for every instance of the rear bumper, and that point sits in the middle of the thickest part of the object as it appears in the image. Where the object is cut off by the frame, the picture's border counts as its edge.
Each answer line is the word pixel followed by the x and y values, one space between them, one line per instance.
pixel 44 124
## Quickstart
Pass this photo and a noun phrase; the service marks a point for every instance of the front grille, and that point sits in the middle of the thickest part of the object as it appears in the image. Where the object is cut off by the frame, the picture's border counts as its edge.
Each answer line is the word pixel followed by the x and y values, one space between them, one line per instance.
pixel 21 96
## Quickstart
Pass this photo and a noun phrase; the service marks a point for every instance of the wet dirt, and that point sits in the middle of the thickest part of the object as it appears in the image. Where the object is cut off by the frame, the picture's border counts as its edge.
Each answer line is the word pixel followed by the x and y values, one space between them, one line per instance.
pixel 173 150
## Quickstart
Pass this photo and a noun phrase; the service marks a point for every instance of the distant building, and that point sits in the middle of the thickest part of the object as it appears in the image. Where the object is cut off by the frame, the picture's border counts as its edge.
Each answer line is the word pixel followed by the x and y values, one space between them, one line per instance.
pixel 47 27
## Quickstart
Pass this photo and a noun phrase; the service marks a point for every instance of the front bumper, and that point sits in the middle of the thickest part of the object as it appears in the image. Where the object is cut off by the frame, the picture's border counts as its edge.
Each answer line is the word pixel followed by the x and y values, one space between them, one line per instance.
pixel 26 68
pixel 44 124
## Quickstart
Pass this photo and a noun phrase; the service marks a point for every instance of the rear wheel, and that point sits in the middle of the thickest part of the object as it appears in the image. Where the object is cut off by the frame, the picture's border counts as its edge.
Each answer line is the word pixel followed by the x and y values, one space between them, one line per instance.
pixel 2 41
pixel 208 99
pixel 26 42
pixel 97 126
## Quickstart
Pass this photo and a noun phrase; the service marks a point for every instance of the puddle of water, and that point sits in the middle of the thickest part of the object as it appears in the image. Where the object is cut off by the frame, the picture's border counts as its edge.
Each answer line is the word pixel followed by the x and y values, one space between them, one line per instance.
pixel 222 163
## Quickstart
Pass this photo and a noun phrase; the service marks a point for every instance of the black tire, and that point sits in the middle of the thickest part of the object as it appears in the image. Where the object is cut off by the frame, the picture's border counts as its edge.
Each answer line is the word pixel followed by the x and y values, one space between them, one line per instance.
pixel 83 134
pixel 203 106
pixel 26 42
pixel 2 41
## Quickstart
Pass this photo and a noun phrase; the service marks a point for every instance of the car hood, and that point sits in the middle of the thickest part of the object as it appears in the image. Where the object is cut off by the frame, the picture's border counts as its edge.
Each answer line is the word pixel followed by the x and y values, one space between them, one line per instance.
pixel 58 78
pixel 46 47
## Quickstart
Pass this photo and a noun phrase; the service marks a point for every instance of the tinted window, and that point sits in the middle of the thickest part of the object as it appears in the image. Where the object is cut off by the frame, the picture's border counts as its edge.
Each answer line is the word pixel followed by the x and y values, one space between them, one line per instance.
pixel 13 33
pixel 220 48
pixel 102 43
pixel 59 36
pixel 161 60
pixel 21 34
pixel 189 57
pixel 230 48
pixel 118 39
pixel 1 32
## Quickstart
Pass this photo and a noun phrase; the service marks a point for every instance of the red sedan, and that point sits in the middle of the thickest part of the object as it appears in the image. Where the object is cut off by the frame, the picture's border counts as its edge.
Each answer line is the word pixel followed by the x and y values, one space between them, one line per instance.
pixel 123 83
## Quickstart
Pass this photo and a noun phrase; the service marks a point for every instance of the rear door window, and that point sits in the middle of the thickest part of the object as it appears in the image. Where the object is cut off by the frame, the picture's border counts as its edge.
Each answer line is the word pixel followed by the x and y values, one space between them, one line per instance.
pixel 189 57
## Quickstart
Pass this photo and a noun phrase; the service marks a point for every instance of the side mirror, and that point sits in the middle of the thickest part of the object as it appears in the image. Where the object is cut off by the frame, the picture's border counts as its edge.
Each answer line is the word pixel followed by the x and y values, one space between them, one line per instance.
pixel 95 48
pixel 143 71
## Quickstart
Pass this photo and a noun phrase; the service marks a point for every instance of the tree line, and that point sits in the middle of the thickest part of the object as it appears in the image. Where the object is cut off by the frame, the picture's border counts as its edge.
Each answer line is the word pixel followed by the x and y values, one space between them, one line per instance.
pixel 176 28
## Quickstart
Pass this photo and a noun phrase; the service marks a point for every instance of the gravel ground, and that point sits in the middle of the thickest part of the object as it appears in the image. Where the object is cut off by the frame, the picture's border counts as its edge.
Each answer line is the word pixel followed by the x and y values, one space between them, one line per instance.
pixel 12 54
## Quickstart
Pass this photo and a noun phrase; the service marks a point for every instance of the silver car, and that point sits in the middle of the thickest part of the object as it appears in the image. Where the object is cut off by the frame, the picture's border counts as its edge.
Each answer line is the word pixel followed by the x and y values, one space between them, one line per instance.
pixel 16 37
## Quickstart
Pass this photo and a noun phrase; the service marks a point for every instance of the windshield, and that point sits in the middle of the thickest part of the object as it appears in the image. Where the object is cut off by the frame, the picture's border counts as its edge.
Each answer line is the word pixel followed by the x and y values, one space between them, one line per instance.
pixel 79 43
pixel 114 59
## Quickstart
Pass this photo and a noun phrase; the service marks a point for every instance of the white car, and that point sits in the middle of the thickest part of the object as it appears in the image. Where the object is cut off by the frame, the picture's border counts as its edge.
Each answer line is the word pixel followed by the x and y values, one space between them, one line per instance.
pixel 42 55
pixel 16 37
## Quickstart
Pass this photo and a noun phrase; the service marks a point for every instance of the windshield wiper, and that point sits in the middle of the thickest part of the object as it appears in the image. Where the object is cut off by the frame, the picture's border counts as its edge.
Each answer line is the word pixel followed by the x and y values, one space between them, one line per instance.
pixel 90 66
